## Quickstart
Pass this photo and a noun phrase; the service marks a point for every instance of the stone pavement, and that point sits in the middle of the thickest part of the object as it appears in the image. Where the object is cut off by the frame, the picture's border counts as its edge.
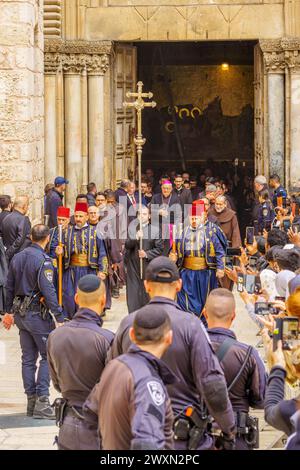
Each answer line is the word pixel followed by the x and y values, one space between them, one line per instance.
pixel 20 432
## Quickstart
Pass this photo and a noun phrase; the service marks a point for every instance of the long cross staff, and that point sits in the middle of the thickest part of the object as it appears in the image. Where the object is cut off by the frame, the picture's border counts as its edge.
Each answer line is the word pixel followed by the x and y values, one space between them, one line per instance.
pixel 139 104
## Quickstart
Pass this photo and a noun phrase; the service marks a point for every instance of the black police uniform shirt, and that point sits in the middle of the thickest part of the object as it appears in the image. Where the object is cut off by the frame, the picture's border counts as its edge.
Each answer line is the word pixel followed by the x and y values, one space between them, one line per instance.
pixel 31 272
pixel 132 403
pixel 191 358
pixel 251 387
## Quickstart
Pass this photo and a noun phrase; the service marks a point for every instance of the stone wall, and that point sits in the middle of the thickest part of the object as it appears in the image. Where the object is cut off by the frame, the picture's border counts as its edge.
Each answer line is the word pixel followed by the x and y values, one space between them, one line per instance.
pixel 22 101
pixel 180 20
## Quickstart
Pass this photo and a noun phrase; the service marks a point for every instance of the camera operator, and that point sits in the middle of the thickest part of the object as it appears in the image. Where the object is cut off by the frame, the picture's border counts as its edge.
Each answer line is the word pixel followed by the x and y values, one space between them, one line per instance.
pixel 279 413
pixel 243 369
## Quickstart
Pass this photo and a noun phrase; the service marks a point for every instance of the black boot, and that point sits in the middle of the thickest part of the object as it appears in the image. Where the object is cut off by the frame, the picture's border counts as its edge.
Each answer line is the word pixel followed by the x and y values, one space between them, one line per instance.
pixel 31 399
pixel 115 292
pixel 43 409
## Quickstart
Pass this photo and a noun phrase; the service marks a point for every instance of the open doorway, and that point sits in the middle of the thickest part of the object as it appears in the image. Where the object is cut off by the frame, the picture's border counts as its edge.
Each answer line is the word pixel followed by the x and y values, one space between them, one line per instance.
pixel 205 103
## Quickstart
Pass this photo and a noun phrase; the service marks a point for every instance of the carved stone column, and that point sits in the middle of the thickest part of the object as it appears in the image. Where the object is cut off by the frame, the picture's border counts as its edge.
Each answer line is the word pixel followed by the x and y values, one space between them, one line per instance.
pixel 275 66
pixel 292 57
pixel 83 64
pixel 96 69
pixel 73 161
pixel 50 166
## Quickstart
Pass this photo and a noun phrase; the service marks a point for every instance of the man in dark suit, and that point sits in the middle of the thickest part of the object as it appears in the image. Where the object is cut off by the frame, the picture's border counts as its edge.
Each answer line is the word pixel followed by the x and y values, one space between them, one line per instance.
pixel 166 211
pixel 16 228
pixel 122 192
pixel 54 200
pixel 5 206
pixel 184 194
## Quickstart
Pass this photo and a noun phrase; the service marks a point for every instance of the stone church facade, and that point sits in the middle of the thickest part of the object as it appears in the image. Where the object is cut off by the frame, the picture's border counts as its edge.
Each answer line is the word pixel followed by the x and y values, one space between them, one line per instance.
pixel 65 67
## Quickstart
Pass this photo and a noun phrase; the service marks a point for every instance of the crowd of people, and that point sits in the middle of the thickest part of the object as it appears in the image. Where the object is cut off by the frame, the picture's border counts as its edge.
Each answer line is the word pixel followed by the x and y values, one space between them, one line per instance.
pixel 174 375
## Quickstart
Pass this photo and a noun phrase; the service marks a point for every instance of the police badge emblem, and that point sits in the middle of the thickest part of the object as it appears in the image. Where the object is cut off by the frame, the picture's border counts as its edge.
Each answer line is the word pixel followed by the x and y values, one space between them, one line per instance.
pixel 49 274
pixel 265 212
pixel 157 393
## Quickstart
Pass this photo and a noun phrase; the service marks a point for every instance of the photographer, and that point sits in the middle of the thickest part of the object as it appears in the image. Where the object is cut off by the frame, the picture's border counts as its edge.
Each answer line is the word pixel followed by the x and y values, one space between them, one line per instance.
pixel 279 413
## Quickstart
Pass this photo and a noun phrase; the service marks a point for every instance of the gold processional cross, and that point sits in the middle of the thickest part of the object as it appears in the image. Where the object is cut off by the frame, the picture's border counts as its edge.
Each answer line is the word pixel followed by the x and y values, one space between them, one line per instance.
pixel 139 104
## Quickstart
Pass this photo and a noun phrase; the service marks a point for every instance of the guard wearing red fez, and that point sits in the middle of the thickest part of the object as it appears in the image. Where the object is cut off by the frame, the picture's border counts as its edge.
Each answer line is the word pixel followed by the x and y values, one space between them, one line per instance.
pixel 63 219
pixel 200 253
pixel 84 253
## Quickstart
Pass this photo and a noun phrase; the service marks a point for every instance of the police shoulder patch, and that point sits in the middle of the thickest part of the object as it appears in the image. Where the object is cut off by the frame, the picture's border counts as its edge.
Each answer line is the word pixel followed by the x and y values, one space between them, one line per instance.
pixel 156 392
pixel 48 274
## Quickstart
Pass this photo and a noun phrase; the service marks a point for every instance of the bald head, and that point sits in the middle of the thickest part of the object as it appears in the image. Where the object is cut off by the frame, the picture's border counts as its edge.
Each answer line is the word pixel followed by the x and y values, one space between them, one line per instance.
pixel 21 204
pixel 220 308
pixel 93 213
pixel 92 300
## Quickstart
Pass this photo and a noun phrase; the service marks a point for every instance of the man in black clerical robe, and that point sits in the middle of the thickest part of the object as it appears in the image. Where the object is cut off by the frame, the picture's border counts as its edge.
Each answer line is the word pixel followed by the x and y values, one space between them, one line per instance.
pixel 152 246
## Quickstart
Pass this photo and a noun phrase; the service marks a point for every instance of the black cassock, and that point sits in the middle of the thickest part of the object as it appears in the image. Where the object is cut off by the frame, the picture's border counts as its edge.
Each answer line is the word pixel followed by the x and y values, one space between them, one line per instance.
pixel 153 246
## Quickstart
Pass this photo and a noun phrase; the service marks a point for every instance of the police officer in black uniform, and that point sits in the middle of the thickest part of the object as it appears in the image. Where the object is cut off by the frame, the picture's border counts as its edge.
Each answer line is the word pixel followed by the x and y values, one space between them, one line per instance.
pixel 190 357
pixel 131 401
pixel 244 370
pixel 30 298
pixel 279 190
pixel 266 213
pixel 77 355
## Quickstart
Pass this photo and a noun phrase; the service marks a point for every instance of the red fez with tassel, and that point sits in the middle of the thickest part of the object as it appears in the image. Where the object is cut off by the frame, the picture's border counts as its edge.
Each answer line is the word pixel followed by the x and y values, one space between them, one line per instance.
pixel 197 209
pixel 81 207
pixel 63 212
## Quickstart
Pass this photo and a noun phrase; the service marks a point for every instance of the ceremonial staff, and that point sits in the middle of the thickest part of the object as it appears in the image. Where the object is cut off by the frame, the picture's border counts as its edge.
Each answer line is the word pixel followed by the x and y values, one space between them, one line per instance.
pixel 139 104
pixel 60 265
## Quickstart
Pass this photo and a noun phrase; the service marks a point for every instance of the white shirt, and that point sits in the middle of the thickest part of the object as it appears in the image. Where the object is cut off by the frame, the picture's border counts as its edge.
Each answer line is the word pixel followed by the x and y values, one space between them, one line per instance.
pixel 267 279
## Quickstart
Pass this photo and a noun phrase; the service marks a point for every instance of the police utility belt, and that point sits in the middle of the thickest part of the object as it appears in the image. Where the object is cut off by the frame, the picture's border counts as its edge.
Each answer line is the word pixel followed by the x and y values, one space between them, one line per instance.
pixel 191 425
pixel 63 409
pixel 246 425
pixel 23 303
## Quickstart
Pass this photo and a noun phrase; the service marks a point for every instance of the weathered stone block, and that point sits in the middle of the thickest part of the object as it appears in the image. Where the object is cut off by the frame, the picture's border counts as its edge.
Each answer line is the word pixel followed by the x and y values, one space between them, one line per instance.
pixel 7 109
pixel 167 24
pixel 7 58
pixel 26 152
pixel 109 23
pixel 15 35
pixel 24 109
pixel 9 152
pixel 25 58
pixel 258 21
pixel 17 131
pixel 206 22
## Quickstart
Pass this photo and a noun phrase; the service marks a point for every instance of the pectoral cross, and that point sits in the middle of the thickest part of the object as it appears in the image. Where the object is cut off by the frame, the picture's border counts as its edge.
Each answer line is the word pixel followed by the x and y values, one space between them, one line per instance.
pixel 139 104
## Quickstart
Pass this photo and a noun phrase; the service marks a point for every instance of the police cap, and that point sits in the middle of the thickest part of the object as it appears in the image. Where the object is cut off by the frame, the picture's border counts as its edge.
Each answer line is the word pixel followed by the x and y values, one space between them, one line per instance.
pixel 89 283
pixel 157 318
pixel 162 269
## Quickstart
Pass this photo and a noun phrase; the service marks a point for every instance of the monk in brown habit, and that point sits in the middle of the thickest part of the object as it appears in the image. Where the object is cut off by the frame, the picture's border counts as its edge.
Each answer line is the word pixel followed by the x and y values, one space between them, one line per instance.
pixel 227 220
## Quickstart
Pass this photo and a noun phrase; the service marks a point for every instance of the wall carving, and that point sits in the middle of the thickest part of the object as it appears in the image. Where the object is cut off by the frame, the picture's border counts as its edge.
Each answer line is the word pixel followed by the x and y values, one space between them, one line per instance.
pixel 52 18
pixel 281 53
pixel 76 56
